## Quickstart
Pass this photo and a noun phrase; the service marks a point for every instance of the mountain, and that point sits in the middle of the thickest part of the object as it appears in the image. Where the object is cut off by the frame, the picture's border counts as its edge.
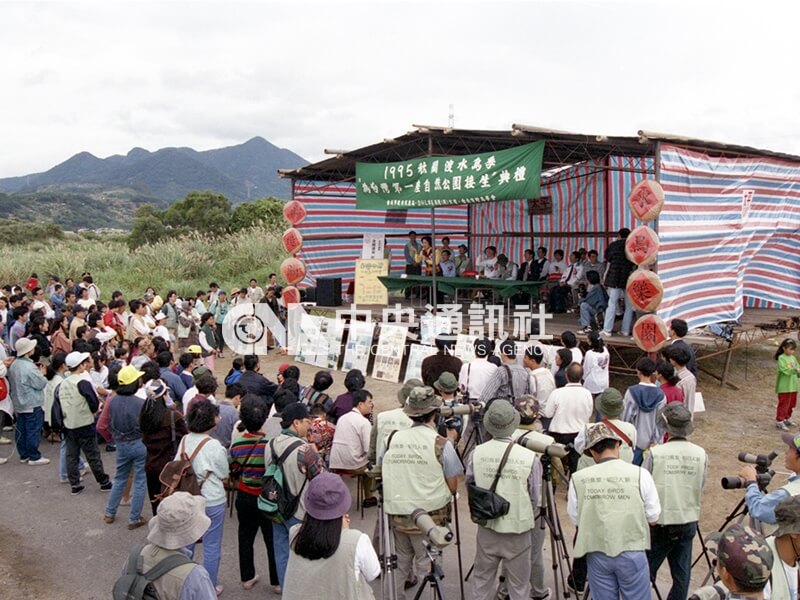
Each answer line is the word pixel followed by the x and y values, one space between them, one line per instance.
pixel 119 184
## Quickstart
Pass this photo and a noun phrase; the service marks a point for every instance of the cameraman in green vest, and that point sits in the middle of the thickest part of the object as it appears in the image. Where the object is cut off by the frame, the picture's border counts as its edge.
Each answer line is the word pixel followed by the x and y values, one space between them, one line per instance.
pixel 679 470
pixel 762 506
pixel 390 420
pixel 420 470
pixel 612 503
pixel 506 538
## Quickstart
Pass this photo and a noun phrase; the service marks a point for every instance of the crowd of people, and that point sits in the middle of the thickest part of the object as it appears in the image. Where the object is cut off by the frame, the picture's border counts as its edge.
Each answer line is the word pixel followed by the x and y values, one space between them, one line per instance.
pixel 89 374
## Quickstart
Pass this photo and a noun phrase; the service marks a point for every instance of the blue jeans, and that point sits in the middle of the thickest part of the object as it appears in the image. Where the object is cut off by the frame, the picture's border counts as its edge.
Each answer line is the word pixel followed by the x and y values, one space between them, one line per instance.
pixel 280 541
pixel 624 576
pixel 130 455
pixel 28 432
pixel 673 542
pixel 638 456
pixel 62 461
pixel 614 295
pixel 587 315
pixel 212 541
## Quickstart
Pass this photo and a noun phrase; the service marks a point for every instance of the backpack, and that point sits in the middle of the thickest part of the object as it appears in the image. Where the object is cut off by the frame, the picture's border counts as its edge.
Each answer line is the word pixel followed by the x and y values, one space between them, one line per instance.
pixel 57 413
pixel 179 476
pixel 133 584
pixel 314 398
pixel 276 501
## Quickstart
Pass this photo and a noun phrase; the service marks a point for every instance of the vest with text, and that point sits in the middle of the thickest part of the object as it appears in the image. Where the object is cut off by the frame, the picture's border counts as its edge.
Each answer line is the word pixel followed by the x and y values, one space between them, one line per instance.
pixel 678 468
pixel 625 451
pixel 611 514
pixel 387 422
pixel 73 404
pixel 413 477
pixel 512 486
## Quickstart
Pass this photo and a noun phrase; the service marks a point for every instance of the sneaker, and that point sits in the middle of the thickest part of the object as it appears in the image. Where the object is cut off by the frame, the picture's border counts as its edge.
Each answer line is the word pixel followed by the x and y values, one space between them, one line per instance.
pixel 248 585
pixel 606 334
pixel 781 425
pixel 623 334
pixel 106 487
pixel 219 589
pixel 139 523
pixel 39 461
pixel 23 460
pixel 585 330
pixel 571 585
pixel 788 423
pixel 77 489
pixel 3 461
pixel 108 519
pixel 111 448
pixel 8 428
pixel 4 441
pixel 369 502
pixel 545 596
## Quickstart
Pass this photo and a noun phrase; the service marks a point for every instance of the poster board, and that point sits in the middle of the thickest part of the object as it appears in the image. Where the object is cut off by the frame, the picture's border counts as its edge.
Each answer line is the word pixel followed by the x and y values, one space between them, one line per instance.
pixel 416 354
pixel 359 344
pixel 329 348
pixel 373 245
pixel 308 339
pixel 368 288
pixel 465 347
pixel 430 326
pixel 389 354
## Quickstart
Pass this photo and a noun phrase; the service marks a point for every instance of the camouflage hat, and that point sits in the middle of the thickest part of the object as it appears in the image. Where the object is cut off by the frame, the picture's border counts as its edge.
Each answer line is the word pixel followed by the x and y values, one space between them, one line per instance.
pixel 500 419
pixel 596 433
pixel 528 407
pixel 787 516
pixel 447 383
pixel 743 553
pixel 609 403
pixel 403 392
pixel 677 419
pixel 421 401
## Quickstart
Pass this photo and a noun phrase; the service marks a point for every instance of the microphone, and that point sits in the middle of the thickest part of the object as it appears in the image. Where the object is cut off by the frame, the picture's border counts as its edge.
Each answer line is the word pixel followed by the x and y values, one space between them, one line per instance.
pixel 439 536
pixel 554 450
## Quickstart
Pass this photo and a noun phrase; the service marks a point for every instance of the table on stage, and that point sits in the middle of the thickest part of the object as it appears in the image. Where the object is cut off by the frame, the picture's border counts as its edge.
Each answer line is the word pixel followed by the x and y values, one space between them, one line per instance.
pixel 451 285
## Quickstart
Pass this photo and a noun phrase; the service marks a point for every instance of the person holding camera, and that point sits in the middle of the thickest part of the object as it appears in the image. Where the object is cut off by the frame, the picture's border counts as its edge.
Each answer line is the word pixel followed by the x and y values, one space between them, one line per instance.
pixel 506 538
pixel 612 503
pixel 762 506
pixel 679 470
pixel 420 471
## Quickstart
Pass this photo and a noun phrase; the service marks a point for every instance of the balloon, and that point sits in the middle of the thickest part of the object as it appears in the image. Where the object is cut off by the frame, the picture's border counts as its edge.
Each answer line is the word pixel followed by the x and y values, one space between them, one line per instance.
pixel 294 212
pixel 292 240
pixel 293 270
pixel 646 200
pixel 642 245
pixel 644 290
pixel 650 333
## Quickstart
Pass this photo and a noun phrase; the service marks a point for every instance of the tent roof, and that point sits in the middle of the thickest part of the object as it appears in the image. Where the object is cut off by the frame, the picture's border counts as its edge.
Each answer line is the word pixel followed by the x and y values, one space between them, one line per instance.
pixel 561 148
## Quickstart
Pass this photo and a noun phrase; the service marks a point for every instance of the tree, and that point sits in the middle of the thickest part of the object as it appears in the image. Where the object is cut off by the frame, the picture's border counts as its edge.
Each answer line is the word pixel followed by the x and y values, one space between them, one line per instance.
pixel 265 211
pixel 205 212
pixel 147 227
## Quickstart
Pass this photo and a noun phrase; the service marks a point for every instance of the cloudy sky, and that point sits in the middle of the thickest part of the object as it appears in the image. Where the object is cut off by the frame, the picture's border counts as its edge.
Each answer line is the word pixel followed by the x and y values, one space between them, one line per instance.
pixel 108 76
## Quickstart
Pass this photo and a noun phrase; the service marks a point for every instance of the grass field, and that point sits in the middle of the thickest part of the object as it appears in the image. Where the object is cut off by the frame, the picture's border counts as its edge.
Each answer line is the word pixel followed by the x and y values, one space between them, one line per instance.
pixel 186 264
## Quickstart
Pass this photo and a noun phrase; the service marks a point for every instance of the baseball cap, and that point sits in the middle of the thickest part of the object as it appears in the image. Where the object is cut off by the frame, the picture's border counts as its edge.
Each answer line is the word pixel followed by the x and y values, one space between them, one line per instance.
pixel 194 349
pixel 128 375
pixel 74 359
pixel 743 553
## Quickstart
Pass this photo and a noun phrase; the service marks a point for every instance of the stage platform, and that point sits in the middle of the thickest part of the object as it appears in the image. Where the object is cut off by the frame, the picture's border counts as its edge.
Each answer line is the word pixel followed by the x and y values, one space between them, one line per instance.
pixel 756 326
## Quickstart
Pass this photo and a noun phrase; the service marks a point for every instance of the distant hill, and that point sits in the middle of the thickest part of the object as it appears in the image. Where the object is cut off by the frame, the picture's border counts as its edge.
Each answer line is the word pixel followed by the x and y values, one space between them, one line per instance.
pixel 86 191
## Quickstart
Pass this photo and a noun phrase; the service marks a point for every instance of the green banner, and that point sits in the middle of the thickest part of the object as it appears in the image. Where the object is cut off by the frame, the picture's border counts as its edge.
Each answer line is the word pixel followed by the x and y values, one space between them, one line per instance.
pixel 446 180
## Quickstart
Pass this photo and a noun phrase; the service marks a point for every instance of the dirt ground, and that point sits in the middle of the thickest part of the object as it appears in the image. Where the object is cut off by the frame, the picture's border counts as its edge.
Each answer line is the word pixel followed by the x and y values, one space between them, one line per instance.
pixel 55 546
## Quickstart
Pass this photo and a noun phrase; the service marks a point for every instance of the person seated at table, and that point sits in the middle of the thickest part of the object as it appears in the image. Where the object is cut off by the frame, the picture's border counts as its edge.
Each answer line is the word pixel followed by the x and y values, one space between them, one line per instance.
pixel 462 260
pixel 557 266
pixel 507 268
pixel 529 269
pixel 542 262
pixel 446 245
pixel 448 265
pixel 595 302
pixel 488 267
pixel 426 257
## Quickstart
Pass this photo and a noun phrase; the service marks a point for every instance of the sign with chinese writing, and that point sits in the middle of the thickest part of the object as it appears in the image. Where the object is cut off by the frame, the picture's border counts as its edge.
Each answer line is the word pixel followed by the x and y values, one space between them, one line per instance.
pixel 642 245
pixel 646 200
pixel 540 206
pixel 747 200
pixel 359 344
pixel 368 288
pixel 416 354
pixel 446 180
pixel 389 356
pixel 650 333
pixel 644 290
pixel 373 245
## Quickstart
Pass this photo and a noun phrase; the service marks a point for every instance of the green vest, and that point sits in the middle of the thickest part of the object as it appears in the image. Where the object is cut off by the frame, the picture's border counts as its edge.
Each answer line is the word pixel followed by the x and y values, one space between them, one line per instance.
pixel 779 584
pixel 170 584
pixel 678 468
pixel 625 451
pixel 73 404
pixel 387 422
pixel 413 477
pixel 611 516
pixel 513 483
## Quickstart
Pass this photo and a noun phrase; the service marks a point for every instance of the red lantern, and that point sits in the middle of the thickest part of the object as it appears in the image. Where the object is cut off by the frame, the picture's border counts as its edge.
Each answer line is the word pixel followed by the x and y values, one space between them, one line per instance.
pixel 293 270
pixel 650 333
pixel 290 295
pixel 642 245
pixel 295 212
pixel 644 290
pixel 646 200
pixel 292 240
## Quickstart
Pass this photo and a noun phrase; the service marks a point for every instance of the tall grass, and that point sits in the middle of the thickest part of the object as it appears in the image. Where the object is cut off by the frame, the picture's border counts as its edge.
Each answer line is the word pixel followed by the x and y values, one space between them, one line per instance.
pixel 185 264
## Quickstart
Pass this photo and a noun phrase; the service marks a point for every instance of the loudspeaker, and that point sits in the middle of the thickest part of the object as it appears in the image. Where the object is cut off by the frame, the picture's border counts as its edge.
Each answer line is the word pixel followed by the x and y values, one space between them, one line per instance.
pixel 329 291
pixel 310 294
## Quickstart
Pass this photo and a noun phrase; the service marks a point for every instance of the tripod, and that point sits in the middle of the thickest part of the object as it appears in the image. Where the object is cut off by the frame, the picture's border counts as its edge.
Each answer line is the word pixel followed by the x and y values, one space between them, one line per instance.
pixel 434 575
pixel 388 557
pixel 475 437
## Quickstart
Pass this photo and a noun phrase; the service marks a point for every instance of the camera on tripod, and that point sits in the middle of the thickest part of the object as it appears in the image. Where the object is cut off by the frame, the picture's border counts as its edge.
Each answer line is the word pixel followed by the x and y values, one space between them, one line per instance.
pixel 764 474
pixel 473 408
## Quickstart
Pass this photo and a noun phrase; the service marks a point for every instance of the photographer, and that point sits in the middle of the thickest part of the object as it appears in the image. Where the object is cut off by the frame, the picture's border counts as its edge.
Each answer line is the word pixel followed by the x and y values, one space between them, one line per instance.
pixel 420 471
pixel 506 538
pixel 762 506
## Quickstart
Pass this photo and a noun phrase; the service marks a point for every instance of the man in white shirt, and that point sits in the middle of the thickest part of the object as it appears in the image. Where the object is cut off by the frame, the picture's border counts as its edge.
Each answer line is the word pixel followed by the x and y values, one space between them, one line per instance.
pixel 570 409
pixel 351 442
pixel 557 265
pixel 254 292
pixel 474 375
pixel 542 381
pixel 488 266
